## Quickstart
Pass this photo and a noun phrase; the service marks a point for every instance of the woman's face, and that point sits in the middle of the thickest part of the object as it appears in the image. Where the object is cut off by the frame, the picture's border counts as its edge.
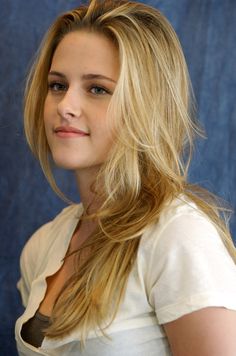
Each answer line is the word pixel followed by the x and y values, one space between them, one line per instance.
pixel 81 81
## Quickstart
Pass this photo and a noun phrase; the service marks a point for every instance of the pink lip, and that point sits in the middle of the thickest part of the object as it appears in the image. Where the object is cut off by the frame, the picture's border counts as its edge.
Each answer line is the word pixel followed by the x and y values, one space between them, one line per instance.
pixel 69 131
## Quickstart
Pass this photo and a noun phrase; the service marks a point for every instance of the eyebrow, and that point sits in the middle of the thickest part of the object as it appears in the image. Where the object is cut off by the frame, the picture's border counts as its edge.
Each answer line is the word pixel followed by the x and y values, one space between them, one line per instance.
pixel 89 76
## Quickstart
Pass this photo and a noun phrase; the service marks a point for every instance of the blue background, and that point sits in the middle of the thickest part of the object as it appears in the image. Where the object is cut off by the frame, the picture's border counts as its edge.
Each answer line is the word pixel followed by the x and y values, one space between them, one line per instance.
pixel 207 32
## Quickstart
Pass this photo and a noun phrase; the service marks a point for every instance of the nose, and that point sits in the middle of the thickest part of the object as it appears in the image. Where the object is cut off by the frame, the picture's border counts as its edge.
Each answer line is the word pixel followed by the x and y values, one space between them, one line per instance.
pixel 69 106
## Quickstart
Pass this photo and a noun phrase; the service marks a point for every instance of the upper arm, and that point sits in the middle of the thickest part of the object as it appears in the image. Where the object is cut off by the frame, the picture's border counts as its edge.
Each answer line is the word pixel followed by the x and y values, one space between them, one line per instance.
pixel 192 287
pixel 190 269
pixel 206 332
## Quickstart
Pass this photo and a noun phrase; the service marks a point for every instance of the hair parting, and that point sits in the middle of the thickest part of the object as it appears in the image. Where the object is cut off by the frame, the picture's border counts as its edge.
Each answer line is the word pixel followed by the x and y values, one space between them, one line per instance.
pixel 146 168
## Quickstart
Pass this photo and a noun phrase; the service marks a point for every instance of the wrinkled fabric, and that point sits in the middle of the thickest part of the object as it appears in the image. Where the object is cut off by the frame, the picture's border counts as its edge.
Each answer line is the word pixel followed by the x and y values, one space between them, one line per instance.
pixel 207 33
pixel 175 273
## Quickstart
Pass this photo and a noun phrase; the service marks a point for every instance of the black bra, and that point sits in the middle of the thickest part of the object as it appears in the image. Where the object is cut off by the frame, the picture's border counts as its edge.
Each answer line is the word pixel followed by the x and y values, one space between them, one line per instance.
pixel 32 331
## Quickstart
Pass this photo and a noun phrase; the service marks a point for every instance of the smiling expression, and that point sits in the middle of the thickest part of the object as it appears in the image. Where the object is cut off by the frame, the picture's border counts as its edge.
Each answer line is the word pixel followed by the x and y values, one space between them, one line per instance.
pixel 81 81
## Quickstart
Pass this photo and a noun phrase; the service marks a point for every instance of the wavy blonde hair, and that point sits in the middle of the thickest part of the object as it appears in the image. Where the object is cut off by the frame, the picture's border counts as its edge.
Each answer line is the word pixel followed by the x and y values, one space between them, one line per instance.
pixel 147 166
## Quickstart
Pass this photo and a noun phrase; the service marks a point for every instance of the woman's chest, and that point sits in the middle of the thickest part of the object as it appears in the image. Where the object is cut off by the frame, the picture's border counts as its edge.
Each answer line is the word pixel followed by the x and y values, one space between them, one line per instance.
pixel 55 284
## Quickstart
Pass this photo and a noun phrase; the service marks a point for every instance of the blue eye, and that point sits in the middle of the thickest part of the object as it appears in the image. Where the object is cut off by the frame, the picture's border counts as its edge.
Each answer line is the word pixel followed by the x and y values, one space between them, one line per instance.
pixel 55 86
pixel 98 90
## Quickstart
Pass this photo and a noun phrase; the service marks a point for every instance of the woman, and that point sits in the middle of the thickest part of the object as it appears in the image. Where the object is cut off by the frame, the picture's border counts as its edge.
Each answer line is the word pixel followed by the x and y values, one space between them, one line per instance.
pixel 133 269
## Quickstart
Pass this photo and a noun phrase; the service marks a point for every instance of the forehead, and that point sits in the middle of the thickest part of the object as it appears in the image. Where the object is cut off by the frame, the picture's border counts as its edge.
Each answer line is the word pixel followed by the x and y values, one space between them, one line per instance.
pixel 86 51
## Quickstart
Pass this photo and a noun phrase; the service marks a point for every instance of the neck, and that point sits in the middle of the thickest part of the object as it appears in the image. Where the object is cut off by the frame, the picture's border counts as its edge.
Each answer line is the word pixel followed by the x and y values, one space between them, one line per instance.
pixel 85 180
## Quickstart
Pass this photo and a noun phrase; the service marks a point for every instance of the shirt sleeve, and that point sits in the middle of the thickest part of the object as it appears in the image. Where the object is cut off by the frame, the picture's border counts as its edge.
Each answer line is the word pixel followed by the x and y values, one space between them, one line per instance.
pixel 28 263
pixel 190 269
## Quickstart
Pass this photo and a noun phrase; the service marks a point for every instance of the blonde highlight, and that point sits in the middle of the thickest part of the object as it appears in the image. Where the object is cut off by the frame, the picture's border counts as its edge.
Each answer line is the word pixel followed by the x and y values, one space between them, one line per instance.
pixel 148 166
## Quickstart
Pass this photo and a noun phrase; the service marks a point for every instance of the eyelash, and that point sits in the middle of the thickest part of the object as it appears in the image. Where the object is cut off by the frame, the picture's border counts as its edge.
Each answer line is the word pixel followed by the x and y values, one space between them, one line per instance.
pixel 57 87
pixel 105 91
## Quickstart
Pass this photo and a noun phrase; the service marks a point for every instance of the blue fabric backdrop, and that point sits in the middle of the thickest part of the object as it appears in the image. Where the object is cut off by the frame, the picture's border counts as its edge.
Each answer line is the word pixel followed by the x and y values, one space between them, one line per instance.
pixel 207 31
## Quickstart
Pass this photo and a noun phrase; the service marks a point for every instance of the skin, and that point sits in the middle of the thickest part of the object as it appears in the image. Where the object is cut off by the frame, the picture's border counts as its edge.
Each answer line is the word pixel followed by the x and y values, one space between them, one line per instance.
pixel 206 332
pixel 81 81
pixel 76 100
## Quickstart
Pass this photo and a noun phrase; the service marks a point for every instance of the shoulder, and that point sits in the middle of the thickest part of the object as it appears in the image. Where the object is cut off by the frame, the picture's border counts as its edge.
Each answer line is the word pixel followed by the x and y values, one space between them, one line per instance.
pixel 181 222
pixel 186 237
pixel 183 230
pixel 180 257
pixel 46 234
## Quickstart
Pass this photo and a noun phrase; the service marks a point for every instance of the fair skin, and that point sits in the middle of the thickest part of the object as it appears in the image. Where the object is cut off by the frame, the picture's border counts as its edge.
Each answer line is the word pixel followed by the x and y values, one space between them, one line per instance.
pixel 206 332
pixel 78 100
pixel 81 81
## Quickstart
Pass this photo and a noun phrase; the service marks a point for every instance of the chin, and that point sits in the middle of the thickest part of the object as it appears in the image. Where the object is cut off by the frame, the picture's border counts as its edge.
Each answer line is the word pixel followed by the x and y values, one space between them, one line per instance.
pixel 67 165
pixel 62 161
pixel 76 160
pixel 73 165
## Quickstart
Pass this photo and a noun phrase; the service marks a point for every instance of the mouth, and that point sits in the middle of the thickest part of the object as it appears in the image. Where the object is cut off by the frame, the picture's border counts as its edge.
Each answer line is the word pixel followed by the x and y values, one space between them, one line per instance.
pixel 69 131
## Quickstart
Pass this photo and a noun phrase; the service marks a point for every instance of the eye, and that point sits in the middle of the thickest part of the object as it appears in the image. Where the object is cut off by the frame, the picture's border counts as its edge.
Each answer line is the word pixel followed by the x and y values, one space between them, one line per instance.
pixel 57 87
pixel 97 90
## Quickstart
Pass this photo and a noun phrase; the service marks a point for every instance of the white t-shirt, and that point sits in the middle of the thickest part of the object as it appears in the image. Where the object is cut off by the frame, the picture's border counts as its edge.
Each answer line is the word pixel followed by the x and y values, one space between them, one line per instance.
pixel 182 266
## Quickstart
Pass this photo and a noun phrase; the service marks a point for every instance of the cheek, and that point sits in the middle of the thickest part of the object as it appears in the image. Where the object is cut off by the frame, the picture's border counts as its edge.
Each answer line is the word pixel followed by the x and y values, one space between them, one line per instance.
pixel 107 139
pixel 47 112
pixel 102 131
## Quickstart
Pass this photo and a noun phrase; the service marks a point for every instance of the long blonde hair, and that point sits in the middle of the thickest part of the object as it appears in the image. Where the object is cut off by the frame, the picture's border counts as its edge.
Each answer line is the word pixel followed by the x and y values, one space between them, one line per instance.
pixel 148 164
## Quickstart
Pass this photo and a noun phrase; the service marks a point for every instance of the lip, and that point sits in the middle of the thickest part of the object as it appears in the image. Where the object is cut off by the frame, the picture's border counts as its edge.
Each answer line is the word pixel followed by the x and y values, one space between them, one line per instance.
pixel 69 131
